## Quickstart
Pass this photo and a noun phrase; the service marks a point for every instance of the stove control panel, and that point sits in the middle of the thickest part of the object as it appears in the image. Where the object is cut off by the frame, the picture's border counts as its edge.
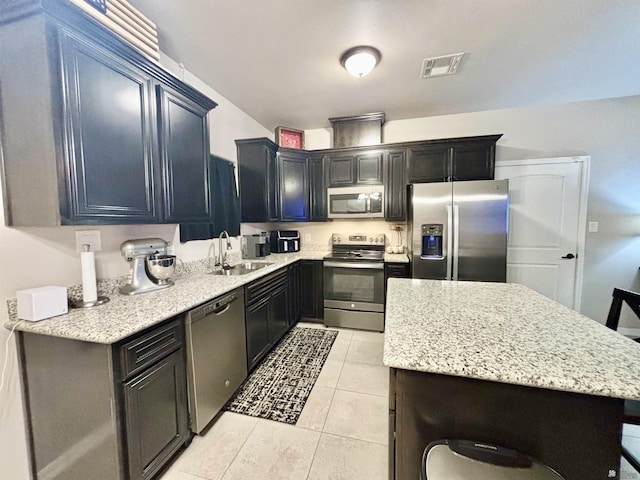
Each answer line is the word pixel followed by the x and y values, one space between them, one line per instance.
pixel 358 239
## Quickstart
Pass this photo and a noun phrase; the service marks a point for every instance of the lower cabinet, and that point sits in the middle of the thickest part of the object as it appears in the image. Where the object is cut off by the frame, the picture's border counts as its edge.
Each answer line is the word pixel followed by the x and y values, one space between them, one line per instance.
pixel 154 392
pixel 294 293
pixel 266 314
pixel 396 269
pixel 104 411
pixel 311 296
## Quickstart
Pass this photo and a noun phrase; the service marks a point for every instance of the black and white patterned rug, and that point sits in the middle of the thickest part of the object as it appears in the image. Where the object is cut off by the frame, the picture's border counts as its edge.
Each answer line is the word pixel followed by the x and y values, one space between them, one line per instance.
pixel 279 387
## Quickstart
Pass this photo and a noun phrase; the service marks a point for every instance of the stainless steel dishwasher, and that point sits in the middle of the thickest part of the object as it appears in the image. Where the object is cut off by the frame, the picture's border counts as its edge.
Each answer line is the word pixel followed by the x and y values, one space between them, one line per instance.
pixel 216 355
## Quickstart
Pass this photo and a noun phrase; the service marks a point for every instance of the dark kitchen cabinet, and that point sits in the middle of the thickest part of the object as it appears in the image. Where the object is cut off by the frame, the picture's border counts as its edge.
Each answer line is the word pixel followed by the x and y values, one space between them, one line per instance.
pixel 369 168
pixel 257 175
pixel 184 155
pixel 469 158
pixel 396 270
pixel 274 184
pixel 311 295
pixel 91 102
pixel 395 186
pixel 156 415
pixel 257 326
pixel 360 167
pixel 294 293
pixel 154 391
pixel 317 189
pixel 340 167
pixel 267 308
pixel 127 401
pixel 293 176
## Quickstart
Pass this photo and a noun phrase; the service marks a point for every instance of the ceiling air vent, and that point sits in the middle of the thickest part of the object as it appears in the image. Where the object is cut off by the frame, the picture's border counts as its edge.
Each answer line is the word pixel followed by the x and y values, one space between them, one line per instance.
pixel 438 66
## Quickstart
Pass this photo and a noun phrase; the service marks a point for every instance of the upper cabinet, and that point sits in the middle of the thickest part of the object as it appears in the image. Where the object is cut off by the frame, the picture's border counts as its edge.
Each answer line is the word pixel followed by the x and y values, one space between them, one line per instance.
pixel 360 167
pixel 93 131
pixel 184 158
pixel 469 158
pixel 274 183
pixel 317 188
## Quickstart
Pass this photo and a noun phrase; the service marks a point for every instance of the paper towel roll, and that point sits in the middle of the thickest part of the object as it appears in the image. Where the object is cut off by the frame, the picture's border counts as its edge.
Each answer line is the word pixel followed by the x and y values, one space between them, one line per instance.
pixel 89 289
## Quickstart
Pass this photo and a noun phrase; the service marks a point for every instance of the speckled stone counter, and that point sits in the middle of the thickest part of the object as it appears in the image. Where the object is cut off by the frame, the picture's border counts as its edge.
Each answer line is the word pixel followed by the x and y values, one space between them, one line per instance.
pixel 125 315
pixel 505 333
pixel 396 258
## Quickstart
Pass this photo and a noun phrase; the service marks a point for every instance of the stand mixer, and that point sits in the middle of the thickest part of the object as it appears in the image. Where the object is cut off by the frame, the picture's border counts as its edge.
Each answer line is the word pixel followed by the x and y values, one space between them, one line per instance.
pixel 150 266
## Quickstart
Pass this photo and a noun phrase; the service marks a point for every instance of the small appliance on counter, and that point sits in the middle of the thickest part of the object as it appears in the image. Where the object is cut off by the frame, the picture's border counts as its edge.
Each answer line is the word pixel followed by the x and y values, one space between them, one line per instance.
pixel 285 241
pixel 255 246
pixel 150 266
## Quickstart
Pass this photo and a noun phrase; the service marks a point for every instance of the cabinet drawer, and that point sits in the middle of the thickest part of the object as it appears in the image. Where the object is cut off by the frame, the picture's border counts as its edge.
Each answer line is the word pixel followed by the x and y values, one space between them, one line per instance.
pixel 263 286
pixel 150 347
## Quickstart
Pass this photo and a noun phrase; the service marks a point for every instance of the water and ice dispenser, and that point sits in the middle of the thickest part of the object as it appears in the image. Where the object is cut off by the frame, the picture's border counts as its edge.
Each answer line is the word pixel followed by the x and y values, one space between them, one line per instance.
pixel 432 241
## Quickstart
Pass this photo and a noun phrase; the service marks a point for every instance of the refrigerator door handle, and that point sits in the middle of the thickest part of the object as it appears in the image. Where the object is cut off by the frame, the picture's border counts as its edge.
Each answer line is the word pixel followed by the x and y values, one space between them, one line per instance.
pixel 456 241
pixel 449 240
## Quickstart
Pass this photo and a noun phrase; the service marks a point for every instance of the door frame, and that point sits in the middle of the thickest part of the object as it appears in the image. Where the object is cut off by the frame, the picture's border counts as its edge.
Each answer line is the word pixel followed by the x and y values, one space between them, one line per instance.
pixel 585 161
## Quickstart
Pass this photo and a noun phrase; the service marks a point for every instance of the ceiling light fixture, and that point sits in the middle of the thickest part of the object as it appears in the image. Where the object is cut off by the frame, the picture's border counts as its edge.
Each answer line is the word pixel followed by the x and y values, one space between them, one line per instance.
pixel 359 61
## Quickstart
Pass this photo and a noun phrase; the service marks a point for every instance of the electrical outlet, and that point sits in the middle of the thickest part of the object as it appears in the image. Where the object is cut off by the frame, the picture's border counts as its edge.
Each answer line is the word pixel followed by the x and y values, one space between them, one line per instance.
pixel 307 237
pixel 593 227
pixel 88 237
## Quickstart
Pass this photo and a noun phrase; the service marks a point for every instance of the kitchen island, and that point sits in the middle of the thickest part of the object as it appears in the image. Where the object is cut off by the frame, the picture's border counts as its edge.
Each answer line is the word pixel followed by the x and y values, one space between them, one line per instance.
pixel 502 364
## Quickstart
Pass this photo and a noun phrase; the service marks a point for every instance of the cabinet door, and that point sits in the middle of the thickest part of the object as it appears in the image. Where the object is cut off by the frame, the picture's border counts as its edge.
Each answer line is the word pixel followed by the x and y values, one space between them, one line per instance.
pixel 428 163
pixel 311 301
pixel 473 161
pixel 395 188
pixel 317 189
pixel 294 293
pixel 257 326
pixel 369 168
pixel 184 154
pixel 294 187
pixel 108 134
pixel 258 180
pixel 156 414
pixel 340 170
pixel 278 314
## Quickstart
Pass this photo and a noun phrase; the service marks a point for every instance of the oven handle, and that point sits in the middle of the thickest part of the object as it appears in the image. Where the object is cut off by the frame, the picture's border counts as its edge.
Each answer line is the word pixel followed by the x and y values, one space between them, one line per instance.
pixel 376 266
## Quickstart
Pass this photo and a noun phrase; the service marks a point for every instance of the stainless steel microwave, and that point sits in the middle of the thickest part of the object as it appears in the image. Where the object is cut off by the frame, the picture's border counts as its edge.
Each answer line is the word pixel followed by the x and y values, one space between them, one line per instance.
pixel 363 201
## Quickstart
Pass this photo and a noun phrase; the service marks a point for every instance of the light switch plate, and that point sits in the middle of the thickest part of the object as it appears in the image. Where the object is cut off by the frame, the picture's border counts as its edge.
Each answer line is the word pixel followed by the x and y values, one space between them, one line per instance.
pixel 90 237
pixel 593 227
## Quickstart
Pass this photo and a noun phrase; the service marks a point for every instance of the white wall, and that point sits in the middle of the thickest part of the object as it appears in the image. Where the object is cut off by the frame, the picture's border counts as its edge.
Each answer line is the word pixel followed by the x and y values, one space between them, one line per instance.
pixel 31 257
pixel 607 130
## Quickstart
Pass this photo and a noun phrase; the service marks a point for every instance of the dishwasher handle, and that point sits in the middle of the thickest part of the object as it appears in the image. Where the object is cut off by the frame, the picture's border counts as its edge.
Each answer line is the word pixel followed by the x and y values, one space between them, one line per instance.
pixel 215 307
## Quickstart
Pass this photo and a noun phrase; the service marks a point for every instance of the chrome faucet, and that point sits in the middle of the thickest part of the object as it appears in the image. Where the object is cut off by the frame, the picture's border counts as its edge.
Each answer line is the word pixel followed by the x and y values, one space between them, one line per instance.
pixel 222 258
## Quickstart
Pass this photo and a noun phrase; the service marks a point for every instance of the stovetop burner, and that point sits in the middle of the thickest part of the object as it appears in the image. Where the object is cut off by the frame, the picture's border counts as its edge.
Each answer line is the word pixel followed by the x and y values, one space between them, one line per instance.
pixel 358 247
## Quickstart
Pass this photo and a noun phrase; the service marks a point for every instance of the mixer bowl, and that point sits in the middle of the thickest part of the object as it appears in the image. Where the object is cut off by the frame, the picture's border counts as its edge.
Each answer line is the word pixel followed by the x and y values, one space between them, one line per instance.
pixel 161 267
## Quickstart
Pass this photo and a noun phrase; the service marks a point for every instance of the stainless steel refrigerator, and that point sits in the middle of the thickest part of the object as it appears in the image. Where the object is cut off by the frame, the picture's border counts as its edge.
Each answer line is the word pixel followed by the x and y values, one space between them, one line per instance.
pixel 458 230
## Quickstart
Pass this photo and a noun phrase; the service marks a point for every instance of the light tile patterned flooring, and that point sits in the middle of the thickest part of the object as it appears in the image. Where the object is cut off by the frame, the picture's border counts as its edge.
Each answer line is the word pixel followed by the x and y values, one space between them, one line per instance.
pixel 341 433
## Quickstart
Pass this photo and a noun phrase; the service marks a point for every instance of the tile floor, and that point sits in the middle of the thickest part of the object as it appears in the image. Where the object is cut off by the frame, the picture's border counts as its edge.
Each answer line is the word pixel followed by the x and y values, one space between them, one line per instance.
pixel 341 433
pixel 631 439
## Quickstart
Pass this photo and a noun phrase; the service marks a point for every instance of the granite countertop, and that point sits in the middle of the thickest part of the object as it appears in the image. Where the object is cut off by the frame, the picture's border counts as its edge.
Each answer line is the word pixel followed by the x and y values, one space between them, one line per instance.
pixel 506 333
pixel 396 258
pixel 125 315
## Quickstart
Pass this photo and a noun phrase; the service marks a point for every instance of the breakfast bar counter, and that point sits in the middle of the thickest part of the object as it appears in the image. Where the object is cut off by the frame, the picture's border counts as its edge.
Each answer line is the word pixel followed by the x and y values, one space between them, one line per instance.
pixel 502 364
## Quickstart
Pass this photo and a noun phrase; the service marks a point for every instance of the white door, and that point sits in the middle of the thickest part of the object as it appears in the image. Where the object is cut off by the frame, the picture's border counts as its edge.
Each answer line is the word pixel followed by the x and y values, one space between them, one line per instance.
pixel 544 225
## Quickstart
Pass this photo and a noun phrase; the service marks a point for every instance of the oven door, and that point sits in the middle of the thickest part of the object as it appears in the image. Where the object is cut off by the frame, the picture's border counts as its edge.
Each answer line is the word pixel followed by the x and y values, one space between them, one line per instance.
pixel 354 285
pixel 354 295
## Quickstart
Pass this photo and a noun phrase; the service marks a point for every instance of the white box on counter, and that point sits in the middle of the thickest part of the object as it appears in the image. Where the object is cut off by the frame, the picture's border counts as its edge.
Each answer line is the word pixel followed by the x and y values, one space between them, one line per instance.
pixel 43 302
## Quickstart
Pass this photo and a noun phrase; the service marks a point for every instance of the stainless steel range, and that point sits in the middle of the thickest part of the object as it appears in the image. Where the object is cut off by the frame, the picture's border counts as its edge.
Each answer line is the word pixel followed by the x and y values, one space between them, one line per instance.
pixel 354 282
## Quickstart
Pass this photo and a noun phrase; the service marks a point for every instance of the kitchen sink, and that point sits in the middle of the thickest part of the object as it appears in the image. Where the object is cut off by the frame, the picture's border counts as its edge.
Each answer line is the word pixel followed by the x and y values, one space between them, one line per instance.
pixel 241 269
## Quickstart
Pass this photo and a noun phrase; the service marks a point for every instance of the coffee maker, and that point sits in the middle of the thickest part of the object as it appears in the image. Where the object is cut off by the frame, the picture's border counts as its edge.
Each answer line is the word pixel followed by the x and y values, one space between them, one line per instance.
pixel 255 246
pixel 150 266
